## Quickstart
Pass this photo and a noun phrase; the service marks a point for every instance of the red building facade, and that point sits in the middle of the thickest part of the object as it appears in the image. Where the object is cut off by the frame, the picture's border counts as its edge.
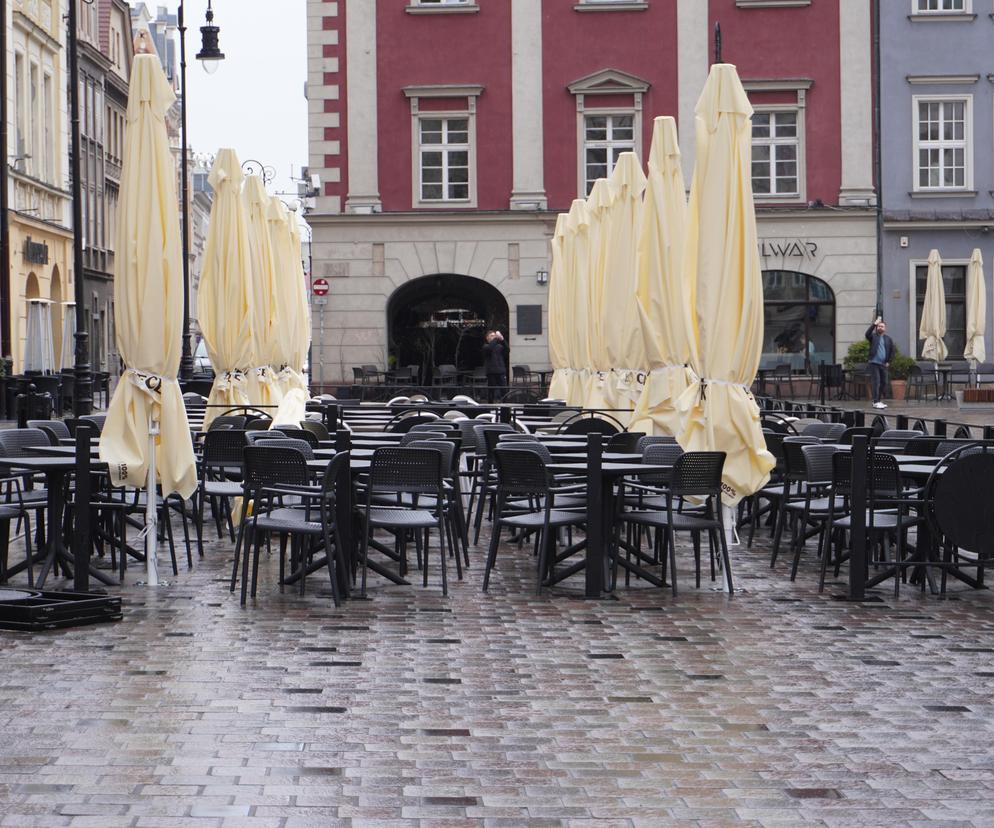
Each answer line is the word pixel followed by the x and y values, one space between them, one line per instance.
pixel 449 133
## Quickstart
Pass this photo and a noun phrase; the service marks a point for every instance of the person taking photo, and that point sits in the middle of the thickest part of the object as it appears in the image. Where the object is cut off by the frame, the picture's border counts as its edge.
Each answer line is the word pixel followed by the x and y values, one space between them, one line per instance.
pixel 881 354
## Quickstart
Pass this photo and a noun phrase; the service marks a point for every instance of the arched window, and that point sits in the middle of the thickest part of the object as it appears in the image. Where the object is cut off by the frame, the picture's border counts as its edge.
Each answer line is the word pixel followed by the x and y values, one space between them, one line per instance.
pixel 800 321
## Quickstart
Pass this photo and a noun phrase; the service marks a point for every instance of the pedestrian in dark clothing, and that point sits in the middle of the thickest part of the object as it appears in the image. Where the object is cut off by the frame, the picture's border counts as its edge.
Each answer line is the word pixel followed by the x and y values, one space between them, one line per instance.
pixel 495 364
pixel 881 353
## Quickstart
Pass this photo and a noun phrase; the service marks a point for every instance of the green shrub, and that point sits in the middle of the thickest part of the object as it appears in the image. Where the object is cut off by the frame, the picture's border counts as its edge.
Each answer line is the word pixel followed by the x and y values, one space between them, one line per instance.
pixel 858 353
pixel 900 366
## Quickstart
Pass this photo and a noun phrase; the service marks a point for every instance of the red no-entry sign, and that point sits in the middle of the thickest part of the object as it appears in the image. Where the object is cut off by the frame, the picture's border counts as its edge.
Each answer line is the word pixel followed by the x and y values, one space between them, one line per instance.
pixel 319 287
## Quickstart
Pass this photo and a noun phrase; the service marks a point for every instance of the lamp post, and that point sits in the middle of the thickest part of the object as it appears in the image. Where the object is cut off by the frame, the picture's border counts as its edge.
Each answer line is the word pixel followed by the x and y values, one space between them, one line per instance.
pixel 82 398
pixel 5 344
pixel 210 56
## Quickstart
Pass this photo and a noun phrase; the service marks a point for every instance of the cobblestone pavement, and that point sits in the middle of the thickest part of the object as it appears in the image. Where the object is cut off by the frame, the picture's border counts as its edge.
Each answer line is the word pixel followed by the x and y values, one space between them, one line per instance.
pixel 778 706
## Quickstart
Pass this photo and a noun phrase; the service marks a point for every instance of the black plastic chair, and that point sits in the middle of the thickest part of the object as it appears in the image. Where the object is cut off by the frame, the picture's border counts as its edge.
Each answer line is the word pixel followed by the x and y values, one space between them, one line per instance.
pixel 55 429
pixel 319 430
pixel 235 421
pixel 266 467
pixel 522 477
pixel 625 442
pixel 696 474
pixel 220 478
pixel 313 520
pixel 652 440
pixel 405 471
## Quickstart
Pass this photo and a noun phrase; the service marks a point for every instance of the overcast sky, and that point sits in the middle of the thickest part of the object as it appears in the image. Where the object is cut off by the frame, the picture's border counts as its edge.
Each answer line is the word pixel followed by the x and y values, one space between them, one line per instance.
pixel 255 102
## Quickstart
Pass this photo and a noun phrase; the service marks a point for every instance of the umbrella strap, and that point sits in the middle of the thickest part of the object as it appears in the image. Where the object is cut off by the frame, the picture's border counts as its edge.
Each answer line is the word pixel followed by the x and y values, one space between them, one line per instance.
pixel 263 373
pixel 227 380
pixel 150 383
pixel 705 382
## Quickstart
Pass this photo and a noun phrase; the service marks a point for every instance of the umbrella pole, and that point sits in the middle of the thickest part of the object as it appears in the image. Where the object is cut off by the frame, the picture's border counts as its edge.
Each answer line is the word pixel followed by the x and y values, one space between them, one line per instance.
pixel 151 530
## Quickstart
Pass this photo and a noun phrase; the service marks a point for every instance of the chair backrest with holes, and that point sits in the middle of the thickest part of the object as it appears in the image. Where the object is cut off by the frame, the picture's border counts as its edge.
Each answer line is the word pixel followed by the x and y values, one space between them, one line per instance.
pixel 289 442
pixel 319 430
pixel 229 421
pixel 224 447
pixel 818 464
pixel 22 442
pixel 253 437
pixel 960 508
pixel 697 474
pixel 521 471
pixel 414 436
pixel 533 446
pixel 447 449
pixel 653 440
pixel 406 470
pixel 55 428
pixel 274 465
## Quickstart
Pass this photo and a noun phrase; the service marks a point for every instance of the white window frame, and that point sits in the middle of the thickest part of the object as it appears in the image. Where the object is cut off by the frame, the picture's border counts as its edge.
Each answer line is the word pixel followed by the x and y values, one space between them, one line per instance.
pixel 612 112
pixel 801 194
pixel 967 100
pixel 913 265
pixel 587 90
pixel 610 5
pixel 443 149
pixel 917 10
pixel 417 94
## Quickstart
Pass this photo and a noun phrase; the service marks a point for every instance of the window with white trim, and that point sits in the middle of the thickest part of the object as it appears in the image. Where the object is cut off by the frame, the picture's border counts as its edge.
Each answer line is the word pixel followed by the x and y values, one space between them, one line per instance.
pixel 443 2
pixel 776 154
pixel 941 6
pixel 943 152
pixel 605 137
pixel 443 158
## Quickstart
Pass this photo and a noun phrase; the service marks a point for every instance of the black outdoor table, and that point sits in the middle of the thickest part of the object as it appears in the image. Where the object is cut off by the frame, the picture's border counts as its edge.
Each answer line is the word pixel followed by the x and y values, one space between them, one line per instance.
pixel 601 476
pixel 55 469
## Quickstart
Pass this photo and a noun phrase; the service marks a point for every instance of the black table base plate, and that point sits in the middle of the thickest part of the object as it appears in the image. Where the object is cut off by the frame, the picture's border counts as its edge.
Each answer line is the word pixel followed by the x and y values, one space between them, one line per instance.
pixel 41 610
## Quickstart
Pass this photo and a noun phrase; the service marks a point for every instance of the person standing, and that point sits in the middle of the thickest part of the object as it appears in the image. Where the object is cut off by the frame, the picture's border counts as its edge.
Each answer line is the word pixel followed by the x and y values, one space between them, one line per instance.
pixel 881 353
pixel 495 363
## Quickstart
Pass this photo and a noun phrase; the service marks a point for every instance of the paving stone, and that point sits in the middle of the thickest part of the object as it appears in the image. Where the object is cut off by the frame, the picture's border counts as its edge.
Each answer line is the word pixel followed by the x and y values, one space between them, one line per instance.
pixel 778 706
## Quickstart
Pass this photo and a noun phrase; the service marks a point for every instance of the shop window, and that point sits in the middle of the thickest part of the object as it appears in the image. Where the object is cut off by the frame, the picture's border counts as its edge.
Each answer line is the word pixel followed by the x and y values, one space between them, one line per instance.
pixel 799 316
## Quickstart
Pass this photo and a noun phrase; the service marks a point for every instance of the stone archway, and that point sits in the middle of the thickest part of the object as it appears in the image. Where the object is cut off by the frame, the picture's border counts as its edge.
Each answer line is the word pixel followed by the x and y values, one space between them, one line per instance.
pixel 441 319
pixel 55 294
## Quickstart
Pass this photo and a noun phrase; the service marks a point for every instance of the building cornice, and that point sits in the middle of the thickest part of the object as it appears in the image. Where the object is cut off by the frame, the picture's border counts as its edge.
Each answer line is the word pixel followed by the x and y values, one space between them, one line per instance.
pixel 31 181
pixel 444 90
pixel 41 224
pixel 935 80
pixel 777 84
pixel 33 28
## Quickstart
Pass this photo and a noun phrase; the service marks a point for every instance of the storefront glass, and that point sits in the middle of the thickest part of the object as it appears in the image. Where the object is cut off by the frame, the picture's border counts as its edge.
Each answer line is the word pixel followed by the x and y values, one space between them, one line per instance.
pixel 800 321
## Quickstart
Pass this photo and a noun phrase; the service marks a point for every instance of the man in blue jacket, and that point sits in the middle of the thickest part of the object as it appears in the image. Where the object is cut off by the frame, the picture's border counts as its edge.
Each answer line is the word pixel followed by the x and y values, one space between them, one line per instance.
pixel 881 353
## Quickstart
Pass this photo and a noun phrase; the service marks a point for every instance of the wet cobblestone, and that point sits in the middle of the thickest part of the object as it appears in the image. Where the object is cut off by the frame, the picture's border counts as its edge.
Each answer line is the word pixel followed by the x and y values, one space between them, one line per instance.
pixel 778 706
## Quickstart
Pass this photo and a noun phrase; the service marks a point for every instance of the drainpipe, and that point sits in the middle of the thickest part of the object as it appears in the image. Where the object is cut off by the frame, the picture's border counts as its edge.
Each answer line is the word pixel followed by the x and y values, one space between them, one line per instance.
pixel 878 159
pixel 5 344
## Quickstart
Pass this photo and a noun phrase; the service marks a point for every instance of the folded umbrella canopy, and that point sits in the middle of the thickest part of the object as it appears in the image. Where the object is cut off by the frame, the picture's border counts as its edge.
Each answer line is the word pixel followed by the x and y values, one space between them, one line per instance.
pixel 263 389
pixel 976 310
pixel 302 328
pixel 146 428
pixel 290 322
pixel 559 313
pixel 598 204
pixel 578 270
pixel 663 296
pixel 722 260
pixel 621 327
pixel 225 293
pixel 933 325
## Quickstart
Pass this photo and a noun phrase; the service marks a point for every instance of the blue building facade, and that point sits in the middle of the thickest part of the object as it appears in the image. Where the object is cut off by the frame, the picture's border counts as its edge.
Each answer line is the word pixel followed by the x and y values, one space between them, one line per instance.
pixel 937 170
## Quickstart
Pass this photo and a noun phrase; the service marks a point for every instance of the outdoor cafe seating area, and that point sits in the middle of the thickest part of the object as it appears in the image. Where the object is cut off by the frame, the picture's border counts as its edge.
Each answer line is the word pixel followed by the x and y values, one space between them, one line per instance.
pixel 366 497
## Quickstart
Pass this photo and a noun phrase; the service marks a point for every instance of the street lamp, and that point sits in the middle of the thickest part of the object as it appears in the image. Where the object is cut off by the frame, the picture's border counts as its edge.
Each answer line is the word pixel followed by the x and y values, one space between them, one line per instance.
pixel 264 171
pixel 210 56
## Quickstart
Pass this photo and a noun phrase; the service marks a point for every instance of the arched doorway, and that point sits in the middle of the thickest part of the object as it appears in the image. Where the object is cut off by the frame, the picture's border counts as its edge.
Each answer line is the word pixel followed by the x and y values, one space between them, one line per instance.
pixel 32 290
pixel 799 321
pixel 441 320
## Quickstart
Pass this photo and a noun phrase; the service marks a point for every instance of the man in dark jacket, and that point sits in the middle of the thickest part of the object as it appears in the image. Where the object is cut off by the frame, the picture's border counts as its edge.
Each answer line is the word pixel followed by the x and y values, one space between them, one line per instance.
pixel 881 353
pixel 495 363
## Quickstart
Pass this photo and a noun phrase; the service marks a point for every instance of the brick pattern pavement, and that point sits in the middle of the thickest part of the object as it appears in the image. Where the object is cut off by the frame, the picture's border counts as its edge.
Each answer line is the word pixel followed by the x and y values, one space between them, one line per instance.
pixel 775 707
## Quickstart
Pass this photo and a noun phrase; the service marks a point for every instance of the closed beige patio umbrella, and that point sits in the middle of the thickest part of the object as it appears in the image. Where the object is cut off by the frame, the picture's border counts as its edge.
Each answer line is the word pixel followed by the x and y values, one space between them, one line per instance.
pixel 976 310
pixel 598 204
pixel 577 260
pixel 662 293
pixel 290 322
pixel 722 259
pixel 263 388
pixel 933 325
pixel 146 435
pixel 559 313
pixel 225 293
pixel 621 326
